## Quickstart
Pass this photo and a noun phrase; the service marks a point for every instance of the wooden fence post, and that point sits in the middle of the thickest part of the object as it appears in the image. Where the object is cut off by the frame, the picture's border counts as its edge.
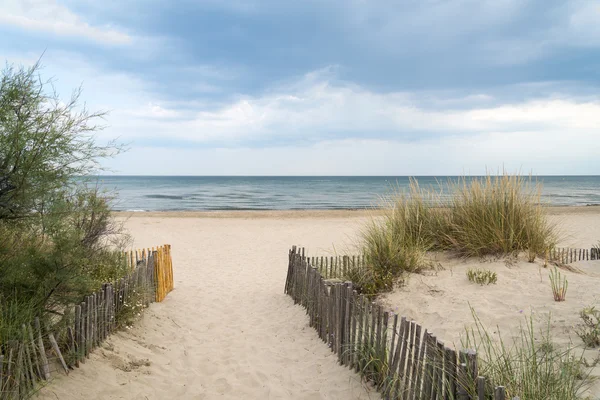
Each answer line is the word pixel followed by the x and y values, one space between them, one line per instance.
pixel 41 349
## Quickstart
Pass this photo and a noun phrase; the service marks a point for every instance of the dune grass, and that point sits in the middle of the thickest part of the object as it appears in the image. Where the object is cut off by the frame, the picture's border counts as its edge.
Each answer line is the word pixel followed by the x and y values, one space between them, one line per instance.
pixel 530 366
pixel 498 215
pixel 493 215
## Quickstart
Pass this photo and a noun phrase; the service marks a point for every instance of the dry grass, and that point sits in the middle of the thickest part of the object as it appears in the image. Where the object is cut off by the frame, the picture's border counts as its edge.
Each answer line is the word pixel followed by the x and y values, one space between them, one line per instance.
pixel 493 215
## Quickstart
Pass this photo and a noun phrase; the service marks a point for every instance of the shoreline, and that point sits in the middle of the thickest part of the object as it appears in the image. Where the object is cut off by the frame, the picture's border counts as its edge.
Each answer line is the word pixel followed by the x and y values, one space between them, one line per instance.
pixel 315 213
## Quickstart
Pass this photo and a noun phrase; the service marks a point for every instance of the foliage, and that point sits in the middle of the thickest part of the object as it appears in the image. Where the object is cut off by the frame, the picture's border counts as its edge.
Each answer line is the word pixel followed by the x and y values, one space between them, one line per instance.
pixel 482 277
pixel 531 366
pixel 499 215
pixel 590 332
pixel 58 239
pixel 44 142
pixel 369 281
pixel 131 308
pixel 559 287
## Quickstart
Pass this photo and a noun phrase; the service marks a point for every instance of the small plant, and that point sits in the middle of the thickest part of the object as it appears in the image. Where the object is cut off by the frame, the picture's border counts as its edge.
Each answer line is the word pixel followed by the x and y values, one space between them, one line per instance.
pixel 559 286
pixel 590 332
pixel 131 308
pixel 482 276
pixel 370 281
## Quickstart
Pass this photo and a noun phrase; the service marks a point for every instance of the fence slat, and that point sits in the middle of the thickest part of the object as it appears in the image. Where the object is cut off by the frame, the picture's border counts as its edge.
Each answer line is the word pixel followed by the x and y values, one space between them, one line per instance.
pixel 480 388
pixel 41 349
pixel 392 350
pixel 353 339
pixel 409 360
pixel 418 365
pixel 35 359
pixel 499 393
pixel 58 353
pixel 450 371
pixel 429 366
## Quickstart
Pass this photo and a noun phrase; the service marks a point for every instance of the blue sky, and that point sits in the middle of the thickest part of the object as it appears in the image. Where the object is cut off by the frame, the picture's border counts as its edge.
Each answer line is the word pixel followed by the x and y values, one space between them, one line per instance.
pixel 329 87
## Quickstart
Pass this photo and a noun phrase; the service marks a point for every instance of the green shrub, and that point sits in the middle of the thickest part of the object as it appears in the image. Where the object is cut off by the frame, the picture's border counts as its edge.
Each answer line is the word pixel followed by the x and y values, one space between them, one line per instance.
pixel 58 238
pixel 482 277
pixel 590 332
pixel 531 366
pixel 559 287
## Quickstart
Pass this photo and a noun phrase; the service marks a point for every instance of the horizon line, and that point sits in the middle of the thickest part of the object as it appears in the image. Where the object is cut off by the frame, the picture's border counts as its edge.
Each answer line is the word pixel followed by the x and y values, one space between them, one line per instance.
pixel 333 176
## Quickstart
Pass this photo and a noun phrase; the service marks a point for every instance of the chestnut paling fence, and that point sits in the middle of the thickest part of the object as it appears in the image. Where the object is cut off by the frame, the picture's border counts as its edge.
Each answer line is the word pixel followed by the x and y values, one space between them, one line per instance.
pixel 336 267
pixel 570 255
pixel 40 352
pixel 402 360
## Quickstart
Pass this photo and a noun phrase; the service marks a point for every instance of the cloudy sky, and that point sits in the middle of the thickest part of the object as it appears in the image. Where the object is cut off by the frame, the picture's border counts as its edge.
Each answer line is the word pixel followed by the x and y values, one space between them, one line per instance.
pixel 327 87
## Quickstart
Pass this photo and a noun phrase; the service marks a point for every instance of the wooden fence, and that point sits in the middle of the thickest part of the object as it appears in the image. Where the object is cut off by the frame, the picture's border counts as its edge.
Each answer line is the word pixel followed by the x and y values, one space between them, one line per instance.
pixel 163 267
pixel 338 267
pixel 41 351
pixel 401 359
pixel 569 255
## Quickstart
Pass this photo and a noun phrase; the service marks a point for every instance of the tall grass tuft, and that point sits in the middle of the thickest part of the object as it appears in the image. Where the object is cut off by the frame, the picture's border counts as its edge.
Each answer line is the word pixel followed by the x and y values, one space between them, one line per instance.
pixel 497 215
pixel 531 366
pixel 559 287
pixel 398 243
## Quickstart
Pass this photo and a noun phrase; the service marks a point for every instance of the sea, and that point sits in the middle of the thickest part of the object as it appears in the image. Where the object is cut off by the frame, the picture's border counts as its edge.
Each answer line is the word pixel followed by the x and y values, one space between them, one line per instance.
pixel 212 193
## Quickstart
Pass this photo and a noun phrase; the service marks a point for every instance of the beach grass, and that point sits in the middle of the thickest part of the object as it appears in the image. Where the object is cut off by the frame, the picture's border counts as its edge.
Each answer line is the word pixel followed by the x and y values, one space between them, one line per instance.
pixel 530 365
pixel 493 215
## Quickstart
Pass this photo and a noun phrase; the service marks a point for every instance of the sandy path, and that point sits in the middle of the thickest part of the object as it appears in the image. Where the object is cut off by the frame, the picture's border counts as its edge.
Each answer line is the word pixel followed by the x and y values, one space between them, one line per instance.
pixel 227 331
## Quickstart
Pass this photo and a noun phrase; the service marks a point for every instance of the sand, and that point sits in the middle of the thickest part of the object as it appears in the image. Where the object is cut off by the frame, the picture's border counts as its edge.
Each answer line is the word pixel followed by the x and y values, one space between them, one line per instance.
pixel 228 331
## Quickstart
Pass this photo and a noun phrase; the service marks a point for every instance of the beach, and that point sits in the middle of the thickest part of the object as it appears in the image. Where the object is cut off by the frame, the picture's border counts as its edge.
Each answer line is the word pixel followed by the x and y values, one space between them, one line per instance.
pixel 228 330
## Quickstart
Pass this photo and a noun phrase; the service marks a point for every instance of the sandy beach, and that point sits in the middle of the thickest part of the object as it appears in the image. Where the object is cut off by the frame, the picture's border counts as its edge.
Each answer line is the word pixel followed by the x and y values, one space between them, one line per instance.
pixel 228 331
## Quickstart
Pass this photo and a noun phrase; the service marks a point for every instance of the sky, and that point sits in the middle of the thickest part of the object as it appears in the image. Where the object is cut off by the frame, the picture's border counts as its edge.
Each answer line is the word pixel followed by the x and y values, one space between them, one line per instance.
pixel 327 87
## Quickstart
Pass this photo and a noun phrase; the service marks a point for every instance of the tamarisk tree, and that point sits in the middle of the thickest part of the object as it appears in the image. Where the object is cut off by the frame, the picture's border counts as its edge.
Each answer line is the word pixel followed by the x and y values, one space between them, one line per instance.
pixel 57 234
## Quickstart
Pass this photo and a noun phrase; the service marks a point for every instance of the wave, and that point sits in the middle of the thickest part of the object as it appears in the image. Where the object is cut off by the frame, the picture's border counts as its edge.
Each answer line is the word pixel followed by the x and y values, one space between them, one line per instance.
pixel 163 196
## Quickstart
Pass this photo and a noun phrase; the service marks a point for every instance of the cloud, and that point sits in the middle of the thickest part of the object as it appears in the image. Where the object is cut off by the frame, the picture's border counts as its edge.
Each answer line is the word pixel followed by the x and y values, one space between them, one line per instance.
pixel 50 17
pixel 315 109
pixel 537 153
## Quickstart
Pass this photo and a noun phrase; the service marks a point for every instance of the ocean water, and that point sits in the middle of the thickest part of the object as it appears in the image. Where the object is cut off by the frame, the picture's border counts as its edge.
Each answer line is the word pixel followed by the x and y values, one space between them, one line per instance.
pixel 171 193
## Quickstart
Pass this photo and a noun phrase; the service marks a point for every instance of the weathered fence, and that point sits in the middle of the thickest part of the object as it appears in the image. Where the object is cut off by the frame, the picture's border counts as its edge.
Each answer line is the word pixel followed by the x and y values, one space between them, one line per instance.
pixel 570 255
pixel 400 358
pixel 335 267
pixel 41 350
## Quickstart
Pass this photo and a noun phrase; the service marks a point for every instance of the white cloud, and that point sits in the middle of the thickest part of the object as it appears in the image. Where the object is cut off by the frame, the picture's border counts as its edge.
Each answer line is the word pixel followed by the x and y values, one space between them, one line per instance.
pixel 152 110
pixel 312 110
pixel 51 17
pixel 520 151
